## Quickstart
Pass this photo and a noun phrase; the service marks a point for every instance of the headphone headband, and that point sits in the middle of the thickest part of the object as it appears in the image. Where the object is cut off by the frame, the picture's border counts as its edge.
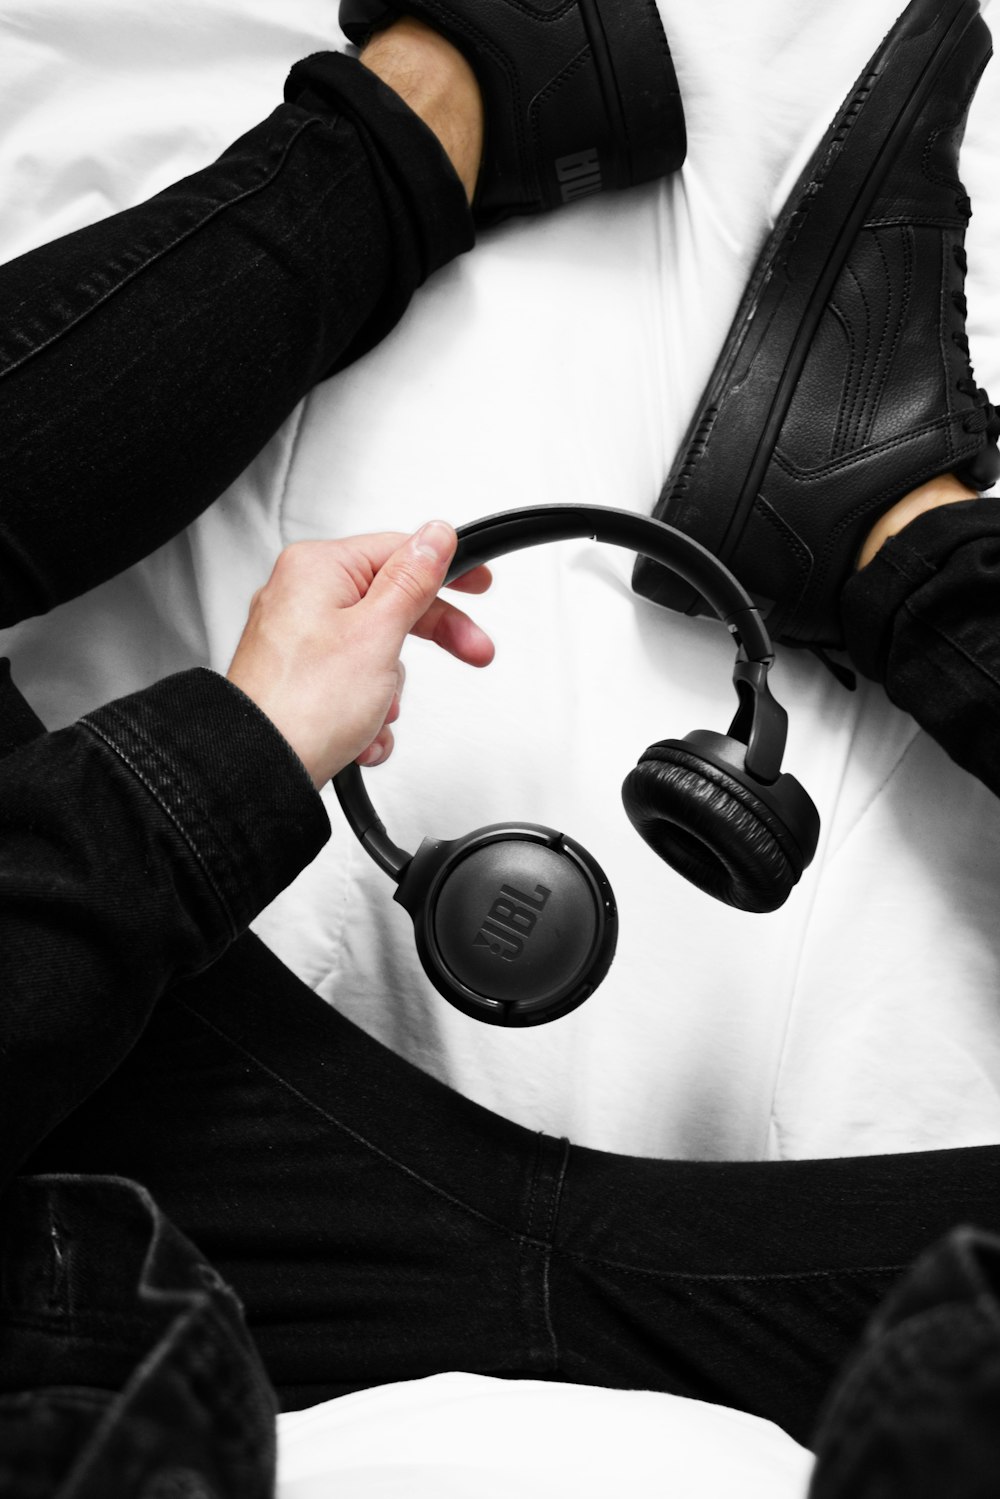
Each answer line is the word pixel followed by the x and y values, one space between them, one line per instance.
pixel 515 923
pixel 760 721
pixel 513 530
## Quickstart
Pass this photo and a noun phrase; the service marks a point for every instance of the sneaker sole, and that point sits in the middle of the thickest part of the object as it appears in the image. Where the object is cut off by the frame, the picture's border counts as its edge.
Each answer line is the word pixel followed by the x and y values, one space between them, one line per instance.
pixel 745 403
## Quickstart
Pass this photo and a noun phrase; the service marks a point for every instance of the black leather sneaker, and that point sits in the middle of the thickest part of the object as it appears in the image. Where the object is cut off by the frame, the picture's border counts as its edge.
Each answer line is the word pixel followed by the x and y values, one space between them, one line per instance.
pixel 579 97
pixel 844 381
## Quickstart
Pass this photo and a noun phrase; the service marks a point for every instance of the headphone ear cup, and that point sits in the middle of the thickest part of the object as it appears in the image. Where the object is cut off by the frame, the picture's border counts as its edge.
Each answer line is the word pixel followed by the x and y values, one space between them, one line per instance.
pixel 712 828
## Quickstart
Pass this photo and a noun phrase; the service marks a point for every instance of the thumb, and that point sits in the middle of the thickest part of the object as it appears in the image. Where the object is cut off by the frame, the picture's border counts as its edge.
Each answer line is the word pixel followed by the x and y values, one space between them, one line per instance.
pixel 410 579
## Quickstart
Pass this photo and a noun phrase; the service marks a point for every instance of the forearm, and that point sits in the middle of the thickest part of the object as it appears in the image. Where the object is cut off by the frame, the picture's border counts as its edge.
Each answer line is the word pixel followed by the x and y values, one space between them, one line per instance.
pixel 134 847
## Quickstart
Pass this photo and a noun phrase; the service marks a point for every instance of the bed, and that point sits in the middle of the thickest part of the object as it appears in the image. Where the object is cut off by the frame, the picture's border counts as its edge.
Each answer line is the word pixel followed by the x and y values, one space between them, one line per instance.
pixel 557 363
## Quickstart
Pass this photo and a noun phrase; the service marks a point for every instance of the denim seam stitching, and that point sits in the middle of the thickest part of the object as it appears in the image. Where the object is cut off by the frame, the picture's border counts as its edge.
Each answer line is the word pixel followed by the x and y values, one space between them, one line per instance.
pixel 170 815
pixel 756 1277
pixel 513 1234
pixel 527 1298
pixel 554 1205
pixel 164 250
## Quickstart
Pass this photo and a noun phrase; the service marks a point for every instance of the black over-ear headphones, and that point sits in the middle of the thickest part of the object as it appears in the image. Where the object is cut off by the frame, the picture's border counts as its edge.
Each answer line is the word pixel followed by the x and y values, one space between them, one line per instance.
pixel 515 923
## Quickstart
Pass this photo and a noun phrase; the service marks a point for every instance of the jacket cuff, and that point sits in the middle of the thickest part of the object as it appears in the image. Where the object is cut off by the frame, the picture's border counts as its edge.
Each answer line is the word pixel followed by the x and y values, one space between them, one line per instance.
pixel 904 578
pixel 227 780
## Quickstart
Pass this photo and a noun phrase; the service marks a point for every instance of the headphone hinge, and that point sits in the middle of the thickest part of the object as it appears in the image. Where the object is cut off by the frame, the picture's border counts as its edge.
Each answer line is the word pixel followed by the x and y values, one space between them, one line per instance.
pixel 760 723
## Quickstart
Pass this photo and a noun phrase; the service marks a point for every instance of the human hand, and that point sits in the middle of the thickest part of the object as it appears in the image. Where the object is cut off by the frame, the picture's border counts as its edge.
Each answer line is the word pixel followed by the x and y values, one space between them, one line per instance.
pixel 319 653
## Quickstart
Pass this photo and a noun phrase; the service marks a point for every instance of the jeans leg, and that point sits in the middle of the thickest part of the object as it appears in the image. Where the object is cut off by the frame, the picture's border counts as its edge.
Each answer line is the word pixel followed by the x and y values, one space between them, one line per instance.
pixel 378 1226
pixel 924 619
pixel 146 359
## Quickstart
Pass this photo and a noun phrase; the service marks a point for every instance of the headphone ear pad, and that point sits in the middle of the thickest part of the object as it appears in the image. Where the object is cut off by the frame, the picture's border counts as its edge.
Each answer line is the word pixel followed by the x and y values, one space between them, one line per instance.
pixel 712 828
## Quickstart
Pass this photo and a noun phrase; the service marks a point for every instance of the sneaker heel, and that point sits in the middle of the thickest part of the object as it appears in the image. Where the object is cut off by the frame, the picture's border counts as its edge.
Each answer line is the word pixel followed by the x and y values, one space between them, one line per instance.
pixel 629 41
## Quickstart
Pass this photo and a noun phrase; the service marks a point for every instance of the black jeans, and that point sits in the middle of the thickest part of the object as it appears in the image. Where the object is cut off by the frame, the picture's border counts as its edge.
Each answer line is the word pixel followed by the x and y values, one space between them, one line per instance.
pixel 374 1224
pixel 378 1226
pixel 145 361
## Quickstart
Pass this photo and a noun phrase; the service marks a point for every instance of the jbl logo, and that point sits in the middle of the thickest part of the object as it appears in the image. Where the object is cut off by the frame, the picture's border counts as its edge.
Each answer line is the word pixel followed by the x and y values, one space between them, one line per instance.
pixel 511 921
pixel 579 175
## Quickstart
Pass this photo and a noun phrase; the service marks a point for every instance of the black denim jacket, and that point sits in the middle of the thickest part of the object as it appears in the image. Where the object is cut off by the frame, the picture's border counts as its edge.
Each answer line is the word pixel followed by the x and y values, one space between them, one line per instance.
pixel 134 847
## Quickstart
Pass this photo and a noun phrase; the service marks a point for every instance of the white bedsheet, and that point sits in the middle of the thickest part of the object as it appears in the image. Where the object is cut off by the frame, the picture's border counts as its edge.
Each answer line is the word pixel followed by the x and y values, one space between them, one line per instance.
pixel 559 363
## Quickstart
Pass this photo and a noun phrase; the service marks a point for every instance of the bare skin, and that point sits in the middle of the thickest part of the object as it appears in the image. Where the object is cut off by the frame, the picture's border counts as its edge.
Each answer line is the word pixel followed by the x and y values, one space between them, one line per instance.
pixel 320 650
pixel 438 84
pixel 945 490
pixel 319 653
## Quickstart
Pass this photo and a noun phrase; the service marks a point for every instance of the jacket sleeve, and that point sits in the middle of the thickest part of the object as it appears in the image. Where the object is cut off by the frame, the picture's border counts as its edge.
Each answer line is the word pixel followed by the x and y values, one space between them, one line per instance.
pixel 134 847
pixel 924 619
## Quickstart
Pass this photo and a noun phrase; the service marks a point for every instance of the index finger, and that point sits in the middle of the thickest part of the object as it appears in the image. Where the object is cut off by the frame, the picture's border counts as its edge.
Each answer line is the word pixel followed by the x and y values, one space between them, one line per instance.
pixel 476 580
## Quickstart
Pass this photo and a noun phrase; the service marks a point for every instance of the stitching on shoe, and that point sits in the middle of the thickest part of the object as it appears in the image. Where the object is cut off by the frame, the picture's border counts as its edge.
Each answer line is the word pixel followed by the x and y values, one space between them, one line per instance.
pixel 777 247
pixel 695 451
pixel 170 789
pixel 870 506
pixel 943 179
pixel 946 310
pixel 839 439
pixel 663 41
pixel 904 302
pixel 957 123
pixel 857 402
pixel 887 494
pixel 941 222
pixel 886 446
pixel 768 513
pixel 551 88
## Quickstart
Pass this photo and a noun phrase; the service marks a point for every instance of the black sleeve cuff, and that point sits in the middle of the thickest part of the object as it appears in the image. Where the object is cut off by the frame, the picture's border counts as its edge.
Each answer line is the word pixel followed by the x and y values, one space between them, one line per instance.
pixel 942 569
pixel 227 780
pixel 923 618
pixel 430 220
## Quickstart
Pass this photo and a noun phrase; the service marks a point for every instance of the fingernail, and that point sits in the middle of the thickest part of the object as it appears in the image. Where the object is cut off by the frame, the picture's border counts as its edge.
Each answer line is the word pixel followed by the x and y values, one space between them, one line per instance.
pixel 433 541
pixel 373 755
